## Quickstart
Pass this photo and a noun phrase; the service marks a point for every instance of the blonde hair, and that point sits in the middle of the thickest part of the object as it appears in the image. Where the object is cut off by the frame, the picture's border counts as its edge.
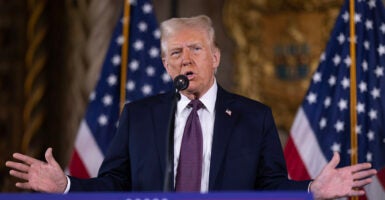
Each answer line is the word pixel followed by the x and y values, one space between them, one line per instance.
pixel 170 26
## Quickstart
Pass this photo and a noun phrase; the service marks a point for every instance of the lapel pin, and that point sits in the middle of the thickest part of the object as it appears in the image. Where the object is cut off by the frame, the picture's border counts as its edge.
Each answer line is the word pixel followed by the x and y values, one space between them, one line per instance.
pixel 228 112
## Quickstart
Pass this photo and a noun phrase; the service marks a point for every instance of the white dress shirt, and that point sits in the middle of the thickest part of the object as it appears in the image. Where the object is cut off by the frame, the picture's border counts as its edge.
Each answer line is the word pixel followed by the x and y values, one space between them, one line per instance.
pixel 206 118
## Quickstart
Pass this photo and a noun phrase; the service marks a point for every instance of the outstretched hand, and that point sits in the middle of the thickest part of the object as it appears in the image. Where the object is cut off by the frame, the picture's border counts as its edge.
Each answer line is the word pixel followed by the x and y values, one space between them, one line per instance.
pixel 341 182
pixel 38 175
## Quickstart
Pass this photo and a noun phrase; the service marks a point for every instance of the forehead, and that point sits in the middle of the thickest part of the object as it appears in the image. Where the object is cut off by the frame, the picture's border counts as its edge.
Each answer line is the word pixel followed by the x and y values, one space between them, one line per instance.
pixel 187 36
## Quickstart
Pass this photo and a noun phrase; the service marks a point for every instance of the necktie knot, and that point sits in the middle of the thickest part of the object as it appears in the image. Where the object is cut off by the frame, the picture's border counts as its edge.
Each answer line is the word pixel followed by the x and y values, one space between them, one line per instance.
pixel 196 104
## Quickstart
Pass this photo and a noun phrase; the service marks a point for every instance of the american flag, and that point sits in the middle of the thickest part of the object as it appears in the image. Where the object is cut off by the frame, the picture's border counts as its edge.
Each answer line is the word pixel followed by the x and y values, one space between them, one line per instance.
pixel 145 76
pixel 322 123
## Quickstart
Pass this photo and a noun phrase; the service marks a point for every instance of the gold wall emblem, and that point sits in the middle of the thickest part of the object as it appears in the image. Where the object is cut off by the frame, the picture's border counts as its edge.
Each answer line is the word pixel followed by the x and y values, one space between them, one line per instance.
pixel 279 44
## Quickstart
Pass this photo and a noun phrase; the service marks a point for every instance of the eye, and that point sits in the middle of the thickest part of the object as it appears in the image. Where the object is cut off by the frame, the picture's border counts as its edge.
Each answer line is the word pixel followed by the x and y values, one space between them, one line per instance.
pixel 175 53
pixel 197 48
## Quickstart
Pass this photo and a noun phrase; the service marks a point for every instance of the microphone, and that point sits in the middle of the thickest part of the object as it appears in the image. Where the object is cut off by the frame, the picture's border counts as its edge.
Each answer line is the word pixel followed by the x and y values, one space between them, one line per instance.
pixel 181 82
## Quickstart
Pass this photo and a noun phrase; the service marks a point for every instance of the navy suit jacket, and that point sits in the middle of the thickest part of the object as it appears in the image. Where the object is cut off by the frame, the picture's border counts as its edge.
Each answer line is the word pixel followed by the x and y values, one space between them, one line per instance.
pixel 246 151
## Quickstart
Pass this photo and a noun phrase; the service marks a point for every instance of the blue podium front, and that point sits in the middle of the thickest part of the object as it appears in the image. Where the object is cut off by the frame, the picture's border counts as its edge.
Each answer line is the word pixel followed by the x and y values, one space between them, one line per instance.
pixel 160 196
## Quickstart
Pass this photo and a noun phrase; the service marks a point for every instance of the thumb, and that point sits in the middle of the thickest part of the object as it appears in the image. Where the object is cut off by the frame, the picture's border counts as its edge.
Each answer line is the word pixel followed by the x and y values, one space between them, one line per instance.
pixel 49 157
pixel 334 161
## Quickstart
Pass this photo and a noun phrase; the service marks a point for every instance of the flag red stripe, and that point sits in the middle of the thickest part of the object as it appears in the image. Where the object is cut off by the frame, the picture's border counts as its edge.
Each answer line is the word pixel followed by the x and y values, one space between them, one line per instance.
pixel 295 165
pixel 381 177
pixel 77 167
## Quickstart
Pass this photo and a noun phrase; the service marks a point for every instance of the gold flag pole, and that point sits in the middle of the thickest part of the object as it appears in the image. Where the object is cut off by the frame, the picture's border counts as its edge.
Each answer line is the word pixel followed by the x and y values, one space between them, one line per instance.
pixel 353 90
pixel 124 56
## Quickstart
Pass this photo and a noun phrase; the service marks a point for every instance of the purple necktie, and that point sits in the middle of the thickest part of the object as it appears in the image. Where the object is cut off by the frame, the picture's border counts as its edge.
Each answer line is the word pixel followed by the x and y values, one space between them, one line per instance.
pixel 189 172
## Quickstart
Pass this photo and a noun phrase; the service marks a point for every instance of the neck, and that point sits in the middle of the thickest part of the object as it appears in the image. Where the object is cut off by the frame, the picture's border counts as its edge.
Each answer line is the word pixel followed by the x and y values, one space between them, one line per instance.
pixel 191 96
pixel 196 94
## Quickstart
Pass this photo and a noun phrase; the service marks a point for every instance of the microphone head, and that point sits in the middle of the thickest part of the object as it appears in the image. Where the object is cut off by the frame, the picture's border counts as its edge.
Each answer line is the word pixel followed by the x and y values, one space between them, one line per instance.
pixel 181 82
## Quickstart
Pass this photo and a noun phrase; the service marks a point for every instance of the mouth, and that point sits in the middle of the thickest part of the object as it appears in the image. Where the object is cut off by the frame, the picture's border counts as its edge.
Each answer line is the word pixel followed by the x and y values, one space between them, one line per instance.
pixel 189 75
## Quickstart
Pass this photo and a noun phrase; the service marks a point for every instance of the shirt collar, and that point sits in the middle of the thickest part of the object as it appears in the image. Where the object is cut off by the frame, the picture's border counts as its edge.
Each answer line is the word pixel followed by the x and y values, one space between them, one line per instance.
pixel 208 100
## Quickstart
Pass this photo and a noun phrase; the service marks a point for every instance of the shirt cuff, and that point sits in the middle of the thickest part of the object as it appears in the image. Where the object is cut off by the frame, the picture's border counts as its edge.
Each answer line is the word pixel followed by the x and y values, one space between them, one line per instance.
pixel 68 185
pixel 308 187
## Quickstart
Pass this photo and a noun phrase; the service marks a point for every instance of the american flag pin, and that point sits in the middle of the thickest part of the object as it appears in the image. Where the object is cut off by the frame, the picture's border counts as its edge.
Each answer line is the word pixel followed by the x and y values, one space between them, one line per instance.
pixel 228 112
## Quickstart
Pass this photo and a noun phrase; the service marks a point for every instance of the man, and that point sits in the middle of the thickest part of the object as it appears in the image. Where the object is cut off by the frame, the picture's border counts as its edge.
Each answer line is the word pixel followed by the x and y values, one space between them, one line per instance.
pixel 238 140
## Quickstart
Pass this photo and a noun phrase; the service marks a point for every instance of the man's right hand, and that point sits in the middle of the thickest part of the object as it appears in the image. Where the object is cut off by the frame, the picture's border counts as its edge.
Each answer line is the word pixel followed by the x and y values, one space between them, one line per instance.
pixel 38 175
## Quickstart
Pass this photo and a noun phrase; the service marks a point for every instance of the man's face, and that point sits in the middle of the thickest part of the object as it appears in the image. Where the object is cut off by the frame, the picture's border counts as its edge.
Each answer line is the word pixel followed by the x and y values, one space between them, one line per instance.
pixel 189 52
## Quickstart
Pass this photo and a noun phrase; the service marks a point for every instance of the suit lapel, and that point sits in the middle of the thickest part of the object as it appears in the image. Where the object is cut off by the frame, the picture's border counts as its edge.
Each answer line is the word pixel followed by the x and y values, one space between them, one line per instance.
pixel 161 113
pixel 225 119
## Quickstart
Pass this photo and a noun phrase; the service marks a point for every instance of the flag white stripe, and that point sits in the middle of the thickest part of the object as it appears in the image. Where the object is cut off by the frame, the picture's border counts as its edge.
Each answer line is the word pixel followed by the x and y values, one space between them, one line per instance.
pixel 306 143
pixel 88 150
pixel 375 190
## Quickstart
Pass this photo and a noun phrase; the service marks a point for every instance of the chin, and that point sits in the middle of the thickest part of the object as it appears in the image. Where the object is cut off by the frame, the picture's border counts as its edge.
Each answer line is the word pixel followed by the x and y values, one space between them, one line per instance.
pixel 191 91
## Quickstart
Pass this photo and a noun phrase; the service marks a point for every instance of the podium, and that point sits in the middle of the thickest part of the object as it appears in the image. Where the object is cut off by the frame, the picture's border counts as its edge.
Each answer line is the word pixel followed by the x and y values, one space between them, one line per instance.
pixel 161 196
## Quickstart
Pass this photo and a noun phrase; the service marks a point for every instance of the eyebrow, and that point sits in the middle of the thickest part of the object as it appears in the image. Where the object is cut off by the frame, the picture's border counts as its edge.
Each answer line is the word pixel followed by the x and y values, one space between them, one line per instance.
pixel 188 45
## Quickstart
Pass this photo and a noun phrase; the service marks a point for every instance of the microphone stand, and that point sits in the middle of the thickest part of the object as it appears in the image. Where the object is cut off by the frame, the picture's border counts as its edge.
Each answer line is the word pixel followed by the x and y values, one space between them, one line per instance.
pixel 168 185
pixel 181 82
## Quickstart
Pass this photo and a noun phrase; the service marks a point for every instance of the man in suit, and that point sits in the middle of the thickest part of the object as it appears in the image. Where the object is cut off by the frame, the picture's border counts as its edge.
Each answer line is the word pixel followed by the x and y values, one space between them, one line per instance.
pixel 239 148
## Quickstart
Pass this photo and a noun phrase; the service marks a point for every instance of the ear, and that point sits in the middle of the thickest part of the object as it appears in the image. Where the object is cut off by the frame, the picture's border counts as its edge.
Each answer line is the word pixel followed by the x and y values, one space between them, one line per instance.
pixel 216 58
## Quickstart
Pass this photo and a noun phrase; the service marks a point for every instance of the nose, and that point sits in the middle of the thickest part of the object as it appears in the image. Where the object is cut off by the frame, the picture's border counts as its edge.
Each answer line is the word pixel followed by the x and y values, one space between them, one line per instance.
pixel 186 58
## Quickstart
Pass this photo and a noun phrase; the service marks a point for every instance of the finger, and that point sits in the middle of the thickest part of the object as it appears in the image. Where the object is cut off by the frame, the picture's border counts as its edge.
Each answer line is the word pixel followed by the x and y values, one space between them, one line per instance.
pixel 49 157
pixel 364 174
pixel 18 166
pixel 361 183
pixel 27 159
pixel 357 192
pixel 360 167
pixel 19 175
pixel 334 161
pixel 25 185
